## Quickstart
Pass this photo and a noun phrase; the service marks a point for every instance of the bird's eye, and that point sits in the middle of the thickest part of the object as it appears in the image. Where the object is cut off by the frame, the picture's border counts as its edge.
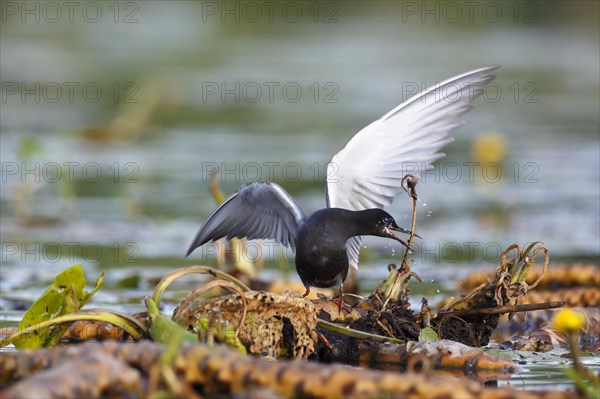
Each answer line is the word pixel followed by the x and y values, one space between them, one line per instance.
pixel 387 220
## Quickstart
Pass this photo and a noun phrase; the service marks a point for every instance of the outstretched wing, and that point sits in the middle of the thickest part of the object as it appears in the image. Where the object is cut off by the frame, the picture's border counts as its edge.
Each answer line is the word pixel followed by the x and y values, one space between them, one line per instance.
pixel 262 210
pixel 367 172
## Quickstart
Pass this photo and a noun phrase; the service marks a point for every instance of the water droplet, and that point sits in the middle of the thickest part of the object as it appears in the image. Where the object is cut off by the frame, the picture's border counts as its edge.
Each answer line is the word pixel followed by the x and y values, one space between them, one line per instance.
pixel 437 291
pixel 424 203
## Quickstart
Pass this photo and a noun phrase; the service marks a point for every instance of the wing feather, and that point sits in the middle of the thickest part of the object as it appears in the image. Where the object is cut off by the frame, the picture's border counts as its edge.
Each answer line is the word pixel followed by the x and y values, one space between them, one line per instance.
pixel 262 210
pixel 368 171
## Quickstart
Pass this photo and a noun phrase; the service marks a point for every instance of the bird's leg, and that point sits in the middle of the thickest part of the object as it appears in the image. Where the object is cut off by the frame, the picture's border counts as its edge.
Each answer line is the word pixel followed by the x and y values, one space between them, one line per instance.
pixel 340 302
pixel 306 293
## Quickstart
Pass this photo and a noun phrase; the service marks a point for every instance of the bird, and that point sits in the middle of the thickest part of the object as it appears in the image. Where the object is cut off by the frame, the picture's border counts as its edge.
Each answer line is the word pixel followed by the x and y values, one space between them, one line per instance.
pixel 363 177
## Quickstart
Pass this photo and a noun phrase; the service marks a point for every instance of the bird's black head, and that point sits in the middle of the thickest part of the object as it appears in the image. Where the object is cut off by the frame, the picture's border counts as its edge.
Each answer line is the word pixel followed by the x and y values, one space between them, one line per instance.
pixel 383 224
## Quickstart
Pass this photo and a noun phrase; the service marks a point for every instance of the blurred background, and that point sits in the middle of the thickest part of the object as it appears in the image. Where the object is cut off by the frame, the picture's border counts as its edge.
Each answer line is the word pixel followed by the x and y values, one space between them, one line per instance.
pixel 114 114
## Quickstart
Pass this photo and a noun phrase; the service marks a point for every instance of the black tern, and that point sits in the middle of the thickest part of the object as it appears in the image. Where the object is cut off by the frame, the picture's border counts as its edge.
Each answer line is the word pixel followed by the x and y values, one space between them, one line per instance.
pixel 367 177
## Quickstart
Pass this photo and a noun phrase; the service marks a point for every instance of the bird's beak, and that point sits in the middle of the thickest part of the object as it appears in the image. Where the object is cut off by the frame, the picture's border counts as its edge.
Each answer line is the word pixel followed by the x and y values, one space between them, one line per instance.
pixel 395 227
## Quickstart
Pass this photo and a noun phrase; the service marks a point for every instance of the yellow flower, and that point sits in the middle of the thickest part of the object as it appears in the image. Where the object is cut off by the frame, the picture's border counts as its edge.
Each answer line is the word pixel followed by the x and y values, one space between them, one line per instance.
pixel 489 148
pixel 568 320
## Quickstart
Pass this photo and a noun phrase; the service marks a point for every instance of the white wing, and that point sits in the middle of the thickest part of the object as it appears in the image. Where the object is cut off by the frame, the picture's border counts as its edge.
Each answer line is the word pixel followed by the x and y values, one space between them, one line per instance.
pixel 367 172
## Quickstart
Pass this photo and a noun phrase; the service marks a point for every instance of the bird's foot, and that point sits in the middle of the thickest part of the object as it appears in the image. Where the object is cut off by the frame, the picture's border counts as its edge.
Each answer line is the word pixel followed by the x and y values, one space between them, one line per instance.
pixel 306 293
pixel 343 305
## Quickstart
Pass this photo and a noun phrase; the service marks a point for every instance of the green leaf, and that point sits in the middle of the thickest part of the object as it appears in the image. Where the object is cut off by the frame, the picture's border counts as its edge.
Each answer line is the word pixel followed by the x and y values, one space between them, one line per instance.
pixel 224 333
pixel 520 269
pixel 128 323
pixel 65 295
pixel 428 334
pixel 163 329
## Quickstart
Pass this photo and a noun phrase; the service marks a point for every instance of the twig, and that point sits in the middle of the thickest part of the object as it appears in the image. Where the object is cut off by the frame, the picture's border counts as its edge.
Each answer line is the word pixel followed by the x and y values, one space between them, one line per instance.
pixel 324 340
pixel 468 296
pixel 355 333
pixel 410 188
pixel 411 184
pixel 504 309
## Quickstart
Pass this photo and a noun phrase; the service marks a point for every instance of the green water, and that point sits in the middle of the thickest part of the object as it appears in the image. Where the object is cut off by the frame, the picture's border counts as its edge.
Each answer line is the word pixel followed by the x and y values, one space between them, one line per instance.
pixel 273 94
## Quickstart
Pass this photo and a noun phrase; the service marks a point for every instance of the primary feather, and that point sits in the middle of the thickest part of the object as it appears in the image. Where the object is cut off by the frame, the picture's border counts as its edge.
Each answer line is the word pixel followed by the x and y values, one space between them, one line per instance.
pixel 261 210
pixel 368 171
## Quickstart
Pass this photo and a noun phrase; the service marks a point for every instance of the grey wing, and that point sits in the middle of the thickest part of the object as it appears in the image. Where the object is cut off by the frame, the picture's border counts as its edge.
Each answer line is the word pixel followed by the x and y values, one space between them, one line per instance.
pixel 368 171
pixel 262 210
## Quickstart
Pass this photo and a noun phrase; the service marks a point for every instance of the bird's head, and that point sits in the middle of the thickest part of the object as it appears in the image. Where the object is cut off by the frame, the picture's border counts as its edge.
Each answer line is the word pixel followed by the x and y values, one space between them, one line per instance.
pixel 384 225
